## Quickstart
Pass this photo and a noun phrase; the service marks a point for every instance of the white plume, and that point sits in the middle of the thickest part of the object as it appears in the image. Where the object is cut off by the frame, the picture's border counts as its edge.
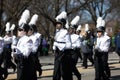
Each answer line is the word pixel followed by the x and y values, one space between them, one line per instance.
pixel 24 18
pixel 12 27
pixel 86 27
pixel 61 15
pixel 26 15
pixel 100 22
pixel 99 19
pixel 34 19
pixel 103 23
pixel 75 20
pixel 79 28
pixel 7 26
pixel 67 24
pixel 98 25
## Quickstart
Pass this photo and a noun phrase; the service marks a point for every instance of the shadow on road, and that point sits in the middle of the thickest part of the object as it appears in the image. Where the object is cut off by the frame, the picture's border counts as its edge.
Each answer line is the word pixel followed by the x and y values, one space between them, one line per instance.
pixel 116 77
pixel 115 69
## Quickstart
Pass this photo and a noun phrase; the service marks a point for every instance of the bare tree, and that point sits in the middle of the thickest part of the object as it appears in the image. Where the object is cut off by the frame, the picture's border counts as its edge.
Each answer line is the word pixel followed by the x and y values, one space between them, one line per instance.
pixel 12 10
pixel 49 9
pixel 116 10
pixel 101 8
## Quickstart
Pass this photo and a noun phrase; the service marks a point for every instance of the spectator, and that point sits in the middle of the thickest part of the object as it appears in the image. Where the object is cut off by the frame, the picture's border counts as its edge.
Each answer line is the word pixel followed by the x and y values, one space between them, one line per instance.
pixel 44 47
pixel 117 43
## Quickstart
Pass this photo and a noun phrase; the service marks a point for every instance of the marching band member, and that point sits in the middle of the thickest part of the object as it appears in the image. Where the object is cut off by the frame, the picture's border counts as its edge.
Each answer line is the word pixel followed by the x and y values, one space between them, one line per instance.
pixel 1 50
pixel 102 71
pixel 3 71
pixel 76 44
pixel 62 45
pixel 25 63
pixel 35 37
pixel 78 32
pixel 7 49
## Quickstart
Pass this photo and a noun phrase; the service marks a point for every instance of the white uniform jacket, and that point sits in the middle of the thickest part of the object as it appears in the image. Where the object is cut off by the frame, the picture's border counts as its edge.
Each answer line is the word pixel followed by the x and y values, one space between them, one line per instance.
pixel 103 44
pixel 35 41
pixel 24 46
pixel 75 39
pixel 61 41
pixel 14 40
pixel 7 40
pixel 38 36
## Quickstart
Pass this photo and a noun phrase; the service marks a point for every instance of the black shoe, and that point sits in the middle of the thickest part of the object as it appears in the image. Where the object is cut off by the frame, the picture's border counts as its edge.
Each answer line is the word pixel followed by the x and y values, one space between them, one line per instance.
pixel 119 61
pixel 92 64
pixel 109 75
pixel 14 69
pixel 84 67
pixel 40 72
pixel 5 73
pixel 79 78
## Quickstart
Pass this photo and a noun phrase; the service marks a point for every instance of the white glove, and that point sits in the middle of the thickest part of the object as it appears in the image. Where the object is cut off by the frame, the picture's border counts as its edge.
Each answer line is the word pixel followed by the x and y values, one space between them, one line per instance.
pixel 13 47
pixel 13 53
pixel 54 47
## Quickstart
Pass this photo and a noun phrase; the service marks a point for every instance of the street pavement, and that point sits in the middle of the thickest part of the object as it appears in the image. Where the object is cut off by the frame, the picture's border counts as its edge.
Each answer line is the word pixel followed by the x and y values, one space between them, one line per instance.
pixel 87 74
